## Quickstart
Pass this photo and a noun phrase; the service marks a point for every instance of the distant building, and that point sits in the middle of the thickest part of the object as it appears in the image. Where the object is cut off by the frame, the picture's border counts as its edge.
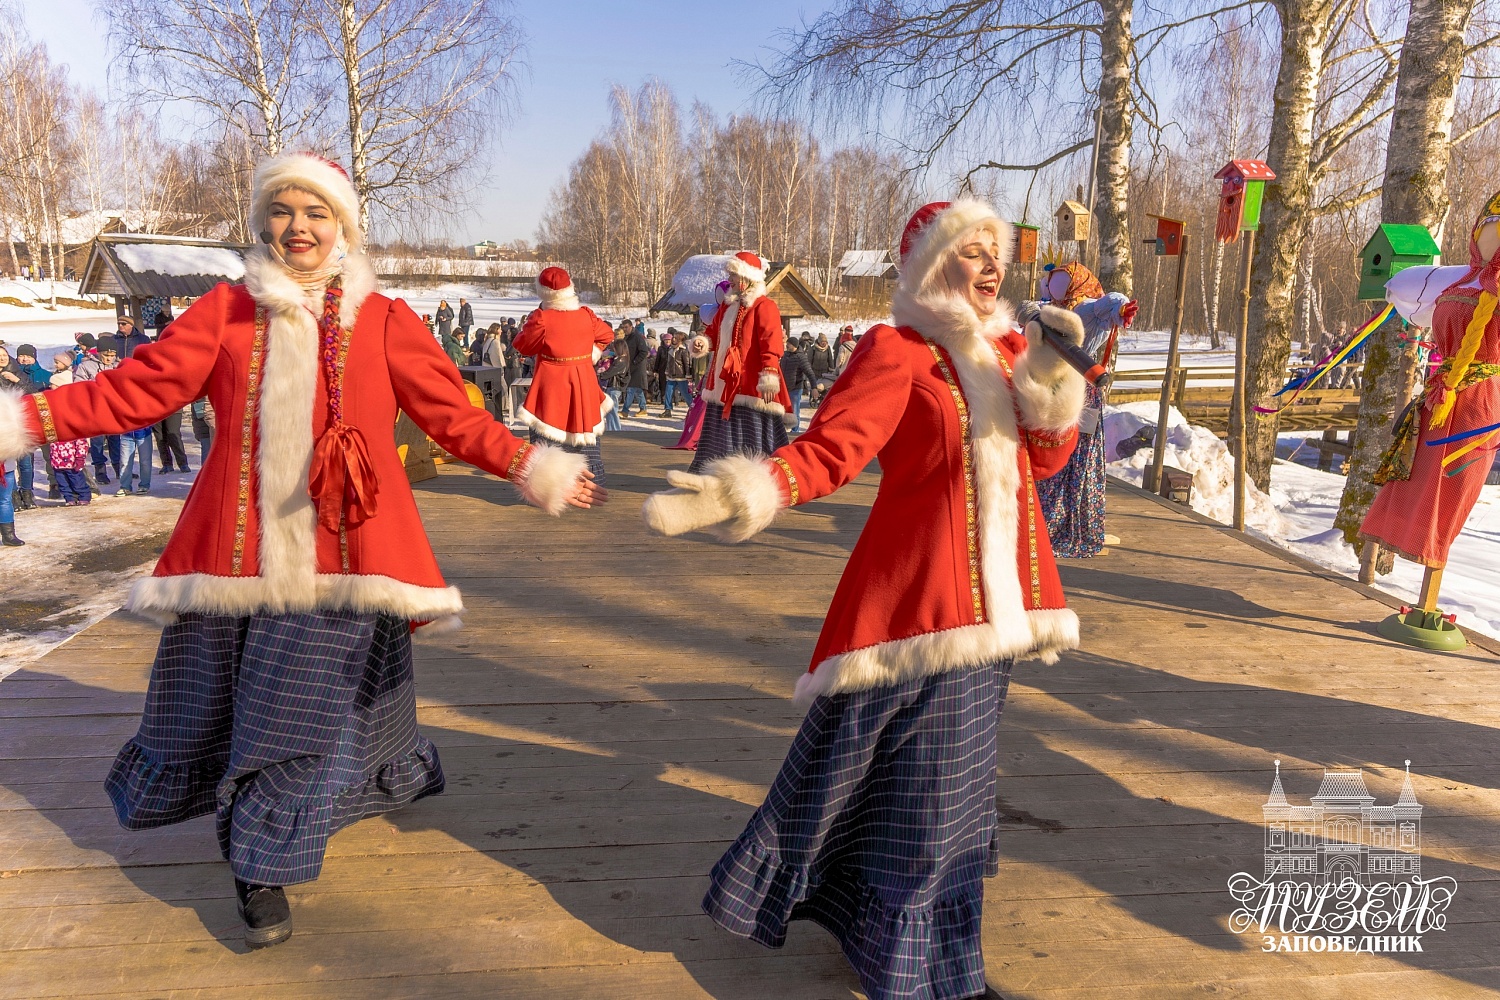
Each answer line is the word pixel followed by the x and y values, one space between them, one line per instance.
pixel 1343 835
pixel 866 267
pixel 488 250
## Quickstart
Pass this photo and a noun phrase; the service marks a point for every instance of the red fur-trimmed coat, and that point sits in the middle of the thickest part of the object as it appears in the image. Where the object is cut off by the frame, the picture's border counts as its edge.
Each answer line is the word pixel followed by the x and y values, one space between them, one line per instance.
pixel 565 403
pixel 953 568
pixel 249 538
pixel 752 321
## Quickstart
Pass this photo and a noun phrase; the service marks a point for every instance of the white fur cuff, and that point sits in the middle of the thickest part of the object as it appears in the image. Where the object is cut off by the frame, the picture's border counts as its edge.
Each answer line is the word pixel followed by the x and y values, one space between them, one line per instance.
pixel 16 438
pixel 769 382
pixel 753 493
pixel 548 477
pixel 1049 391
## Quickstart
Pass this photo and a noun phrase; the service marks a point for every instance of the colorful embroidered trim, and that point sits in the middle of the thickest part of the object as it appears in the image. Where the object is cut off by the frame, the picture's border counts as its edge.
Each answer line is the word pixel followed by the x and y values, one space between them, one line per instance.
pixel 1025 437
pixel 971 502
pixel 562 361
pixel 44 414
pixel 247 452
pixel 517 460
pixel 791 481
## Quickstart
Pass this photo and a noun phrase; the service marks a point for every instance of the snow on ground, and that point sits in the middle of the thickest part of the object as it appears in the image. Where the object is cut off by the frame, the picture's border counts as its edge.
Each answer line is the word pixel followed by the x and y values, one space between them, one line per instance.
pixel 37 296
pixel 1298 514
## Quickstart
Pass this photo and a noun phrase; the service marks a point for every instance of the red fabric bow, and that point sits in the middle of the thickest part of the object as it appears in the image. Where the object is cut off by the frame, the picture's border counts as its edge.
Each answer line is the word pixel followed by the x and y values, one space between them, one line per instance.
pixel 342 478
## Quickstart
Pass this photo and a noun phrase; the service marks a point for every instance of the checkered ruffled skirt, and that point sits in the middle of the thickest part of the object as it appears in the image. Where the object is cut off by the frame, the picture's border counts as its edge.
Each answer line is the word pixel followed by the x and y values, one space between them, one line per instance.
pixel 286 727
pixel 881 827
pixel 748 431
pixel 1073 500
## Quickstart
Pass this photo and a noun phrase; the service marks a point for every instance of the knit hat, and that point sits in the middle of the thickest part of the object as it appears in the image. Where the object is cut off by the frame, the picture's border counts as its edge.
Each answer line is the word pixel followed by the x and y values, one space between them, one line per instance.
pixel 26 349
pixel 554 286
pixel 85 340
pixel 933 229
pixel 315 175
pixel 109 343
pixel 747 265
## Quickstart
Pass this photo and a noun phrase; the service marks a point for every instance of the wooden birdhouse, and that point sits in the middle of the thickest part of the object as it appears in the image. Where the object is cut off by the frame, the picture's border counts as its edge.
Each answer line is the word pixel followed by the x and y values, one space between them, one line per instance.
pixel 1026 243
pixel 1240 200
pixel 1072 222
pixel 1393 248
pixel 1168 236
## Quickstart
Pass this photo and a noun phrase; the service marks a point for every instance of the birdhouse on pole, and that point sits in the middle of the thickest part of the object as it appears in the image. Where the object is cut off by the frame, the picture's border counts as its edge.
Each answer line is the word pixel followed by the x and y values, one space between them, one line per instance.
pixel 1026 243
pixel 1072 222
pixel 1393 248
pixel 1240 201
pixel 1168 236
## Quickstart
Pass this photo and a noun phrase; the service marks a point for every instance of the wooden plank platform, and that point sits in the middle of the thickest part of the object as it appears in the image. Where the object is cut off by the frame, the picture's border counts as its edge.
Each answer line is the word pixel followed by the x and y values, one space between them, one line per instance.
pixel 618 705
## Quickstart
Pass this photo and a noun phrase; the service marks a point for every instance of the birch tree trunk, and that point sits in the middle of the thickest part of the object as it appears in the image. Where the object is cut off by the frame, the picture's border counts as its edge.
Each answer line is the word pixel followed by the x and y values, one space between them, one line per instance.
pixel 1112 176
pixel 1415 193
pixel 1286 220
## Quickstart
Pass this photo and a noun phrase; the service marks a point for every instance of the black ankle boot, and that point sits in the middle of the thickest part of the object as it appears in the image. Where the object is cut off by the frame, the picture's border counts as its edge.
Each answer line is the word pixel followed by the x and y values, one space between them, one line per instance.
pixel 266 913
pixel 8 535
pixel 25 500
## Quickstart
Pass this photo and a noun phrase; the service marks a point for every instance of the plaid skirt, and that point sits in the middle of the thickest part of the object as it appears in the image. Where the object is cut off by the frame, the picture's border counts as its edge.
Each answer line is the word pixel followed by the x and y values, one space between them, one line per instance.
pixel 748 431
pixel 590 452
pixel 286 727
pixel 881 827
pixel 1073 500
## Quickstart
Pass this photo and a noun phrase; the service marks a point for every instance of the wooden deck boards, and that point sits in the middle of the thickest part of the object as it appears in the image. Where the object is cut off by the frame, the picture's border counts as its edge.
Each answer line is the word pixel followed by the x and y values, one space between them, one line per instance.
pixel 618 704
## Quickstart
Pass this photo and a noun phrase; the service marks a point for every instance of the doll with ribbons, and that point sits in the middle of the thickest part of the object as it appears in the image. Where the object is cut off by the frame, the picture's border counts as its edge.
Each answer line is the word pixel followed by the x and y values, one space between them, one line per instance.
pixel 1426 493
pixel 1073 500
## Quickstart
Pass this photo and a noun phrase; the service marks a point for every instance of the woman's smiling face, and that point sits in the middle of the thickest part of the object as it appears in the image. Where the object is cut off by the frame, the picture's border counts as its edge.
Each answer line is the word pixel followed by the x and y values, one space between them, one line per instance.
pixel 303 228
pixel 974 272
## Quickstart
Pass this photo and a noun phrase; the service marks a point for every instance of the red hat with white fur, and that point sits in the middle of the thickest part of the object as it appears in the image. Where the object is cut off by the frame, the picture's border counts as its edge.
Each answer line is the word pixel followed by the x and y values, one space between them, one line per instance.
pixel 747 265
pixel 934 229
pixel 315 175
pixel 554 286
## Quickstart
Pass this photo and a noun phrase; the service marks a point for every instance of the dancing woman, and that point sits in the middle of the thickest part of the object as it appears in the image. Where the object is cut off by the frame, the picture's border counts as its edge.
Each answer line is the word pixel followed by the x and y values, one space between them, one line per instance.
pixel 881 824
pixel 281 697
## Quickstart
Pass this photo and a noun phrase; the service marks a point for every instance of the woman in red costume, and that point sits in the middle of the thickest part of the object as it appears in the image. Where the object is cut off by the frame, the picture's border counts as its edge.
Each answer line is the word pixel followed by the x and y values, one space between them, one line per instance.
pixel 281 698
pixel 565 404
pixel 881 824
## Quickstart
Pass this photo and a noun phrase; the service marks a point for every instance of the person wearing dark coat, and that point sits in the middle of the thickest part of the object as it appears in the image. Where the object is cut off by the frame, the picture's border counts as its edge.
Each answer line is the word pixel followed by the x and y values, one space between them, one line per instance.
pixel 796 371
pixel 130 336
pixel 13 375
pixel 465 319
pixel 444 318
pixel 169 431
pixel 615 378
pixel 640 371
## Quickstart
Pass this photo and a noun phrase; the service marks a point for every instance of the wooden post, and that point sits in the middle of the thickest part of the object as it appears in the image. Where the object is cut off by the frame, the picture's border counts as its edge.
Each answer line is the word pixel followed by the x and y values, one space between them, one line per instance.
pixel 1240 419
pixel 1159 452
pixel 1432 579
pixel 1032 292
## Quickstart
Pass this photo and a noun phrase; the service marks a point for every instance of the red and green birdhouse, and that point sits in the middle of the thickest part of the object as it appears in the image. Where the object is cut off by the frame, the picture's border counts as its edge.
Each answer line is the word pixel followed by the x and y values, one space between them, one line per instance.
pixel 1168 240
pixel 1240 200
pixel 1393 248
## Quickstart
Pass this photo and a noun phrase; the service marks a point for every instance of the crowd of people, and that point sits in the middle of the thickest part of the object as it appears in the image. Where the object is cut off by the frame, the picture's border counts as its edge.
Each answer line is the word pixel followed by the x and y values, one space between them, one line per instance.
pixel 118 465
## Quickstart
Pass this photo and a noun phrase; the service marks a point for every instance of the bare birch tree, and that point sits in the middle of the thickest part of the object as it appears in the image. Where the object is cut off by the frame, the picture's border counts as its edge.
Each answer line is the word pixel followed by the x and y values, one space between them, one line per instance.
pixel 424 83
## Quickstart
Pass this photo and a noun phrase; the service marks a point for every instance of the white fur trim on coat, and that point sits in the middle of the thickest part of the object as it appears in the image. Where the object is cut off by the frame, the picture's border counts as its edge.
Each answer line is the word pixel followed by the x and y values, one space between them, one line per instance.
pixel 306 173
pixel 560 299
pixel 768 382
pixel 1040 633
pixel 547 478
pixel 15 439
pixel 576 439
pixel 163 598
pixel 739 268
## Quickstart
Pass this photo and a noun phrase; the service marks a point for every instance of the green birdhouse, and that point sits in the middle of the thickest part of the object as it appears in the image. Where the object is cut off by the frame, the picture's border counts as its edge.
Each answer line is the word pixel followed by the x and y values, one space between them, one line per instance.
pixel 1393 248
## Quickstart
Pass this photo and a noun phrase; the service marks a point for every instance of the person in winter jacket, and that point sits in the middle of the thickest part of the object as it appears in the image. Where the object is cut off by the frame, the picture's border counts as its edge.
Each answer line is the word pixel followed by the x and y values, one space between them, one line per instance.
pixel 444 319
pixel 565 404
pixel 820 357
pixel 68 459
pixel 7 509
pixel 13 375
pixel 130 336
pixel 104 449
pixel 62 369
pixel 640 370
pixel 282 700
pixel 747 401
pixel 465 320
pixel 615 378
pixel 881 824
pixel 26 359
pixel 797 373
pixel 672 369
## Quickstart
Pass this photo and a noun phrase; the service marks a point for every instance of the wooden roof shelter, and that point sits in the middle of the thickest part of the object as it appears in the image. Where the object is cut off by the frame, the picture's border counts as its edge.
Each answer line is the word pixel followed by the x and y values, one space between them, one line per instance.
pixel 793 296
pixel 134 267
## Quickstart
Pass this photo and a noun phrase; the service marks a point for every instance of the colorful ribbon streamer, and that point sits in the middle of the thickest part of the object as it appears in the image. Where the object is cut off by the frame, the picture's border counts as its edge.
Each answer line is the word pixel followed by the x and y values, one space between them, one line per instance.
pixel 1462 435
pixel 1301 383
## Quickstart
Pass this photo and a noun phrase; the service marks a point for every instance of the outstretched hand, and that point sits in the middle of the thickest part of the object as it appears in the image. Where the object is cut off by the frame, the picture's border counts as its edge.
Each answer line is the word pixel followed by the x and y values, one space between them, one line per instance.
pixel 586 493
pixel 1128 312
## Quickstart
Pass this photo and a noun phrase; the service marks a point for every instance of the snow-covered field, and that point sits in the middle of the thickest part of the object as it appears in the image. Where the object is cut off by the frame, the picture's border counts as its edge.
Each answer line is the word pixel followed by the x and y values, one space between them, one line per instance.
pixel 53 588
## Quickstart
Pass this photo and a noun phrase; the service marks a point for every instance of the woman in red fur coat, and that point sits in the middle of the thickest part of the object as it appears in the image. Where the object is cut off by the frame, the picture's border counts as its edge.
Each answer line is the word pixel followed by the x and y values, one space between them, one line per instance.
pixel 881 824
pixel 281 698
pixel 565 404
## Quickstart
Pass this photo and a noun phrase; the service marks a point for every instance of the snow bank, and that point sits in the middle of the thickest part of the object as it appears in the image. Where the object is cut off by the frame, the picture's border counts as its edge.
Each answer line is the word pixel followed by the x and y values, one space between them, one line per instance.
pixel 696 279
pixel 1195 450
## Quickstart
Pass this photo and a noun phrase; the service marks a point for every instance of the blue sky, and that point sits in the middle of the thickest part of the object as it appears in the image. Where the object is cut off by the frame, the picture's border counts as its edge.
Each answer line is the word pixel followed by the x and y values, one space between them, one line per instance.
pixel 576 50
